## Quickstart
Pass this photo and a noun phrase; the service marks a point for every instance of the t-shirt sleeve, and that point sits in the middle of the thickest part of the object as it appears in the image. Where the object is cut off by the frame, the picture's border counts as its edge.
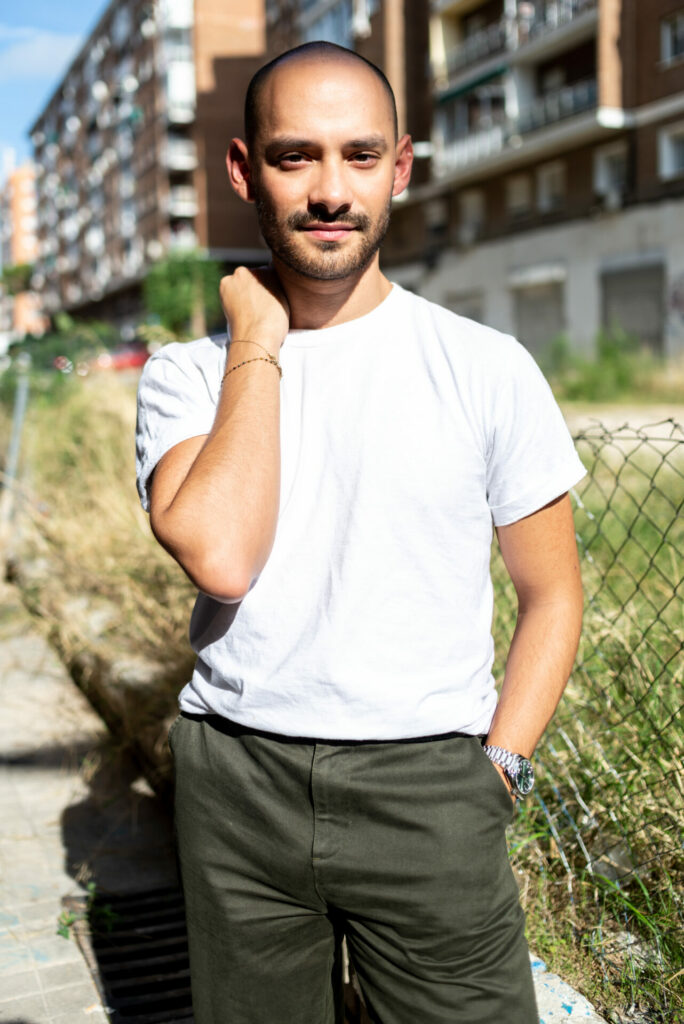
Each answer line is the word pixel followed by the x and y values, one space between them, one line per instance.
pixel 531 456
pixel 174 404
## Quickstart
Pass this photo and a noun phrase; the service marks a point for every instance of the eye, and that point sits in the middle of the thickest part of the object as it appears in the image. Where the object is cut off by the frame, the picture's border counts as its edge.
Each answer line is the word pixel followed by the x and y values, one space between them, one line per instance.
pixel 291 160
pixel 364 159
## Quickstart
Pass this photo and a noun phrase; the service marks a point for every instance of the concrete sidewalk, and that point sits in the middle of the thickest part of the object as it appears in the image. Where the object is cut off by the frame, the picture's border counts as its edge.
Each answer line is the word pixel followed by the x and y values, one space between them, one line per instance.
pixel 72 811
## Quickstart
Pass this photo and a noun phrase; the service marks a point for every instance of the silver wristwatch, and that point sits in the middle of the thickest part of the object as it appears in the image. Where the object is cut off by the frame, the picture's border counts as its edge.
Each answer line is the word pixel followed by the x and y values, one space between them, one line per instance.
pixel 518 769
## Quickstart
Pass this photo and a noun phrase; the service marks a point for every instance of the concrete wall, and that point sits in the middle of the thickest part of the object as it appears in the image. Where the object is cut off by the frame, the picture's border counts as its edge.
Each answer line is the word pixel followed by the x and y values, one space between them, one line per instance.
pixel 576 254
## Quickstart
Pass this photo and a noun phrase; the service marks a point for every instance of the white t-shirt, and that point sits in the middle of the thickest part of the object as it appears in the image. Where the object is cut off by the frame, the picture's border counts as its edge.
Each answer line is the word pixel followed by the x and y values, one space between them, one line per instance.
pixel 404 434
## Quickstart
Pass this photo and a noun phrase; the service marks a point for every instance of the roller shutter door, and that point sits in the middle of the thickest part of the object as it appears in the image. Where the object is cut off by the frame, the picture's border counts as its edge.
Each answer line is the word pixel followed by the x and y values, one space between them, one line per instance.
pixel 635 300
pixel 539 314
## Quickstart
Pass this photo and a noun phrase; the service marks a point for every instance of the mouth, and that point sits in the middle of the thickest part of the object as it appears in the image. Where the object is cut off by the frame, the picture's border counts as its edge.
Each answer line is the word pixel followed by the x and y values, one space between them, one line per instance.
pixel 329 232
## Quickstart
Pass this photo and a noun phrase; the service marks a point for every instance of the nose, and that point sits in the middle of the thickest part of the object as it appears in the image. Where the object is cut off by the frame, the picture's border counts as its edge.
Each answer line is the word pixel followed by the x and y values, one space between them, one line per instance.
pixel 329 194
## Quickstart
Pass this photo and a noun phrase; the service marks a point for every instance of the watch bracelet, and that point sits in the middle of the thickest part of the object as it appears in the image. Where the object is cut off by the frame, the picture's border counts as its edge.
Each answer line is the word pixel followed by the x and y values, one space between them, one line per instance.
pixel 506 759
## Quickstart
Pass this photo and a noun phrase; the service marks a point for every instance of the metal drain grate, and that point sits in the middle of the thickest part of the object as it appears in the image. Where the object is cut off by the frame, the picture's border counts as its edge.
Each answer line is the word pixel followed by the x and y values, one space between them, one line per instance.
pixel 137 949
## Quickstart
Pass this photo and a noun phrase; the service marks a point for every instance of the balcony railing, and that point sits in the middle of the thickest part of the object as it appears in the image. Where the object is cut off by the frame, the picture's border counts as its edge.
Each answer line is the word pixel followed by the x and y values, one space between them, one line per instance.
pixel 182 201
pixel 550 16
pixel 480 143
pixel 557 105
pixel 512 33
pixel 185 239
pixel 180 155
pixel 485 43
pixel 180 113
pixel 470 149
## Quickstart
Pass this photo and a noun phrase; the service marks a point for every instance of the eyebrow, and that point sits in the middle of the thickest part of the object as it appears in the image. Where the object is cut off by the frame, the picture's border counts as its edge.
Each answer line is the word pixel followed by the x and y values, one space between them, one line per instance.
pixel 286 142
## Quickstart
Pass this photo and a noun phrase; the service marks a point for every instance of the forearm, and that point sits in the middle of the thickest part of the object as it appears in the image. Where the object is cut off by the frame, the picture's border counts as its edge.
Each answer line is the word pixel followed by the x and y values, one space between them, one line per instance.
pixel 539 662
pixel 540 554
pixel 219 523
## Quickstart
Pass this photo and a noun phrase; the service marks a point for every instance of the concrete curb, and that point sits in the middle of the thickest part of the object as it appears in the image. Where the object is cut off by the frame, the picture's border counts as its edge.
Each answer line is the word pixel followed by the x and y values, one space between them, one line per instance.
pixel 558 1001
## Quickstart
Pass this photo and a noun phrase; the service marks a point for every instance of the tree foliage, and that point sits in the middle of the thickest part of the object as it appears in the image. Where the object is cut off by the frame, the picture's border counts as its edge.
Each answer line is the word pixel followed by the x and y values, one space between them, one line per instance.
pixel 180 287
pixel 16 278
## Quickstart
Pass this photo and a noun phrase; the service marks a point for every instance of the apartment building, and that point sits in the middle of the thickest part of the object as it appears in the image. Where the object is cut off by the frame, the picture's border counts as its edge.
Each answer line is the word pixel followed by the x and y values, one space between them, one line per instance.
pixel 130 150
pixel 19 314
pixel 556 203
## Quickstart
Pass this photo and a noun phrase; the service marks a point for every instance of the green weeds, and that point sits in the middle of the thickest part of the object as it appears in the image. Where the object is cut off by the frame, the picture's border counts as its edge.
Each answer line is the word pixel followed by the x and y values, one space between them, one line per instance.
pixel 620 369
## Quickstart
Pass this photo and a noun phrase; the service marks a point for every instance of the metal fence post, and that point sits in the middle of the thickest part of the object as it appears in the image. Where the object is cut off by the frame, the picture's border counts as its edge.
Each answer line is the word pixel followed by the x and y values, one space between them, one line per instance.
pixel 8 493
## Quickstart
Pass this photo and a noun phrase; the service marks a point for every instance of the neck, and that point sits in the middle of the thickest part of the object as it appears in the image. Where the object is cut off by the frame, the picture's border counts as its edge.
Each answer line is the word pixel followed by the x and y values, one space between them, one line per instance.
pixel 315 304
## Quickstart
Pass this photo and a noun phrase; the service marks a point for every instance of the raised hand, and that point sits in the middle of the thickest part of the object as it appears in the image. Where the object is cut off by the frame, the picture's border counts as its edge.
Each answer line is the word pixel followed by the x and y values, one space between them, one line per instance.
pixel 256 307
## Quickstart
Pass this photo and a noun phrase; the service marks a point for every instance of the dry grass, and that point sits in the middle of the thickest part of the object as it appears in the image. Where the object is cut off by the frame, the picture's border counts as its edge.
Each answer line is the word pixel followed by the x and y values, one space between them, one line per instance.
pixel 90 528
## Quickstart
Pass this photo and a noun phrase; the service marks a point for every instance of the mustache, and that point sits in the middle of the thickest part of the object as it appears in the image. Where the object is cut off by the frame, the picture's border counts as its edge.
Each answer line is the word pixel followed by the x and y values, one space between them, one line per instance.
pixel 301 220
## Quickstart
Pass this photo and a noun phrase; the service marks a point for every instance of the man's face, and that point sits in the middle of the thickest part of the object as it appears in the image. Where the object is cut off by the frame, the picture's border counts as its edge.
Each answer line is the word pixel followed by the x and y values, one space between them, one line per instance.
pixel 323 167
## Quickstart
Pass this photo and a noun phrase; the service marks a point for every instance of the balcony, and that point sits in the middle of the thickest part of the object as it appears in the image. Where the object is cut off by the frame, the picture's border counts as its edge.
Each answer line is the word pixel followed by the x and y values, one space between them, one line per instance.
pixel 180 155
pixel 550 16
pixel 180 113
pixel 557 105
pixel 550 28
pixel 554 27
pixel 477 47
pixel 455 7
pixel 471 149
pixel 182 201
pixel 182 240
pixel 497 140
pixel 180 92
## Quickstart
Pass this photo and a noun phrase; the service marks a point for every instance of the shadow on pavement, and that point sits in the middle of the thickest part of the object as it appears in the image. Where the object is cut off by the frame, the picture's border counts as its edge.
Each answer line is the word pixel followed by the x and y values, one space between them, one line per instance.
pixel 120 837
pixel 56 756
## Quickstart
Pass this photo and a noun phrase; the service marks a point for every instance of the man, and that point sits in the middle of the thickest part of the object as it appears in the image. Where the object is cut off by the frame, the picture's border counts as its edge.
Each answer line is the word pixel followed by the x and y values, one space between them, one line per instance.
pixel 331 774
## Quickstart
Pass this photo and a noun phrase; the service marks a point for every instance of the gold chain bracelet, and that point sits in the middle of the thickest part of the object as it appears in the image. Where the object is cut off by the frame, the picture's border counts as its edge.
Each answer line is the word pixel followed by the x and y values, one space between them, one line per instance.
pixel 248 341
pixel 256 359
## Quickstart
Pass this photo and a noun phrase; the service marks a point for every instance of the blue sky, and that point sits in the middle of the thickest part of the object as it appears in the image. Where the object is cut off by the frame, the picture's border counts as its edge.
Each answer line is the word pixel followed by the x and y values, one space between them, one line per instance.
pixel 38 39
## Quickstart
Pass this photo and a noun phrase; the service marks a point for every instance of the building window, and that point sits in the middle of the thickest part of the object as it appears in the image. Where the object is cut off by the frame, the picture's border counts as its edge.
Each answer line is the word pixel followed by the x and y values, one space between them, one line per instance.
pixel 333 26
pixel 672 38
pixel 471 210
pixel 671 151
pixel 551 186
pixel 610 172
pixel 518 195
pixel 121 26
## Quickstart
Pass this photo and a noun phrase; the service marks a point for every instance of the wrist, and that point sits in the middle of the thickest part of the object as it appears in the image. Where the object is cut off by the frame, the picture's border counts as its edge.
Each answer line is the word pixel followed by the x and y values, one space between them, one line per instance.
pixel 270 335
pixel 518 770
pixel 240 346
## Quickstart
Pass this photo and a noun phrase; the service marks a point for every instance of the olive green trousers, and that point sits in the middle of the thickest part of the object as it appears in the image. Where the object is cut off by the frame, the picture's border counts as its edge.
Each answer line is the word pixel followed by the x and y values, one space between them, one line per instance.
pixel 287 845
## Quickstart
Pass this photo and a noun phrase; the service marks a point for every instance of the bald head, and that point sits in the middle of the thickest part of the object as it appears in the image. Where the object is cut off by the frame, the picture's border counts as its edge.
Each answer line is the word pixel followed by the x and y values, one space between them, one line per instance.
pixel 309 53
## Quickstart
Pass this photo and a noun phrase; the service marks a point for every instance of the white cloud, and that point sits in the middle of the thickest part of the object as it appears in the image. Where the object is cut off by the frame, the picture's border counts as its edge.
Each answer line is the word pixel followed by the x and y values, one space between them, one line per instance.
pixel 35 54
pixel 15 31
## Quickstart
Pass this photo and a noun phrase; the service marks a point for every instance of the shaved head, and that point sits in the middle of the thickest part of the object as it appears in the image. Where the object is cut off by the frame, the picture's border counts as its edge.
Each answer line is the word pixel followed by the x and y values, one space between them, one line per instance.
pixel 326 53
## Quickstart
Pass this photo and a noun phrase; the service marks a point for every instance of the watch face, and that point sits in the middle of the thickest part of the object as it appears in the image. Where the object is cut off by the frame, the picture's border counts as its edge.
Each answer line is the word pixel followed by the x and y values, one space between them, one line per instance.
pixel 525 779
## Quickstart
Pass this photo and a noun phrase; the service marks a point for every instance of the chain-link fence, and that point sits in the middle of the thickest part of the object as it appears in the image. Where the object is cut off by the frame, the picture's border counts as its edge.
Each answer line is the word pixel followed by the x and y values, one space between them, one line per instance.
pixel 604 836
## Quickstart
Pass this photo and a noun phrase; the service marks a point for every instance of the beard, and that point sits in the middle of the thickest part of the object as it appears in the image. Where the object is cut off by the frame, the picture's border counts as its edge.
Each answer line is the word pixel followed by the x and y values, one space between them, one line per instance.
pixel 330 262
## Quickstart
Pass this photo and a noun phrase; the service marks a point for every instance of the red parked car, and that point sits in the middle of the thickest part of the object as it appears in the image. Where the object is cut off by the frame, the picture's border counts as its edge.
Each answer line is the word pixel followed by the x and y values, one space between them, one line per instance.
pixel 128 356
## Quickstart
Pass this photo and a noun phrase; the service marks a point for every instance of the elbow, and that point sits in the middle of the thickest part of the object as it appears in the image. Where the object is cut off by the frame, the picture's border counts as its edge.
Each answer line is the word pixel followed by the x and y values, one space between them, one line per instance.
pixel 219 581
pixel 216 572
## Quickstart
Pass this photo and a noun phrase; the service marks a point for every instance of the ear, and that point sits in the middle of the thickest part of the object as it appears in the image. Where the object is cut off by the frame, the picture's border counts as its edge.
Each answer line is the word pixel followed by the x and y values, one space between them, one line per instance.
pixel 239 171
pixel 402 164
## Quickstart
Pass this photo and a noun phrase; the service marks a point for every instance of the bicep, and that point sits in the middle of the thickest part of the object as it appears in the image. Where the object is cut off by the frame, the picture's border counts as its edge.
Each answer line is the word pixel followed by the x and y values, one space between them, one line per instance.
pixel 170 472
pixel 540 553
